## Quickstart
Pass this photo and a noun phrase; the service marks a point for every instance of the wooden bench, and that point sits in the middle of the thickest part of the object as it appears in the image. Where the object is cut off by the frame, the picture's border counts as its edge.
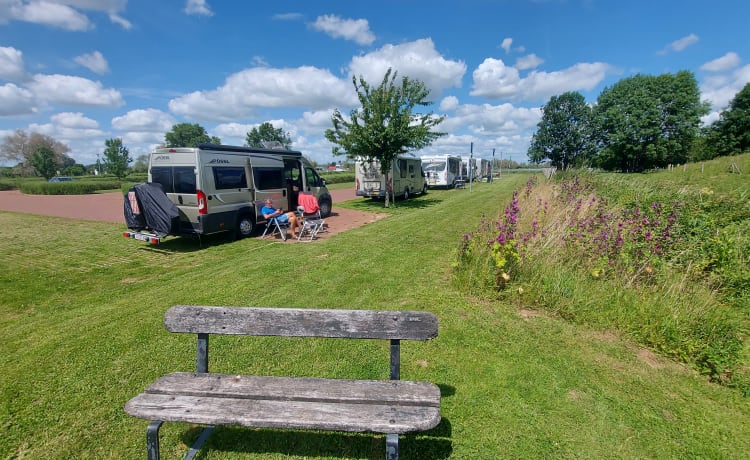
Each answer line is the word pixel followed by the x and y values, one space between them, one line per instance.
pixel 391 407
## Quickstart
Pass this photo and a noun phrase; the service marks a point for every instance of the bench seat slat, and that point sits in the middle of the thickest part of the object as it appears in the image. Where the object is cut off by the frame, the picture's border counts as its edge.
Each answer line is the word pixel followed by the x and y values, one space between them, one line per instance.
pixel 297 403
pixel 399 392
pixel 301 322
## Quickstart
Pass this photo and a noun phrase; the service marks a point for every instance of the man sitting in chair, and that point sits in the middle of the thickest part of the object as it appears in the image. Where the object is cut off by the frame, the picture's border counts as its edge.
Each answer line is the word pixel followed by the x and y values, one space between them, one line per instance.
pixel 269 212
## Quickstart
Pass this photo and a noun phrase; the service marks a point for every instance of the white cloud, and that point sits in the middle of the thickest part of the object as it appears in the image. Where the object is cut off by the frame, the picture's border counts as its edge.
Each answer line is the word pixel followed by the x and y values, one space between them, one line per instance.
pixel 494 80
pixel 144 120
pixel 50 13
pixel 506 44
pixel 416 60
pixel 16 101
pixel 95 62
pixel 448 103
pixel 680 44
pixel 72 90
pixel 357 30
pixel 720 89
pixel 199 7
pixel 727 62
pixel 11 64
pixel 530 61
pixel 246 91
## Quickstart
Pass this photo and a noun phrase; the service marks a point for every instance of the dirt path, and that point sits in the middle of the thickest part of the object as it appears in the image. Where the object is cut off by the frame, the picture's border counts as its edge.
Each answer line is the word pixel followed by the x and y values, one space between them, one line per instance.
pixel 108 207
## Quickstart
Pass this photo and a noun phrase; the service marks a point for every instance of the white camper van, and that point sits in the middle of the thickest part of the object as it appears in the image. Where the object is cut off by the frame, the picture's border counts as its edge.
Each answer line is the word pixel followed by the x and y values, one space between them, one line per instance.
pixel 221 188
pixel 406 177
pixel 441 170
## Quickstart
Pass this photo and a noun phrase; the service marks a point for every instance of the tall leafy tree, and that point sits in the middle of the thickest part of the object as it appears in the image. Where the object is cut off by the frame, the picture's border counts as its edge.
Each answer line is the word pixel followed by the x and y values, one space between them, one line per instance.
pixel 643 122
pixel 386 124
pixel 21 147
pixel 116 158
pixel 563 134
pixel 730 134
pixel 43 161
pixel 265 132
pixel 188 135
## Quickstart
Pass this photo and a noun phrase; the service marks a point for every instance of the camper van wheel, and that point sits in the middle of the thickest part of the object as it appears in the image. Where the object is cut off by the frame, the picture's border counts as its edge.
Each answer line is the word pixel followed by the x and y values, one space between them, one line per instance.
pixel 325 208
pixel 406 193
pixel 245 226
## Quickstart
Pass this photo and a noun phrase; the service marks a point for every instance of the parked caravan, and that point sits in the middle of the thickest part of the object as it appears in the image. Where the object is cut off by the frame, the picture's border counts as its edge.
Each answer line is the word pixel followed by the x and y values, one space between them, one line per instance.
pixel 484 170
pixel 441 170
pixel 221 188
pixel 406 178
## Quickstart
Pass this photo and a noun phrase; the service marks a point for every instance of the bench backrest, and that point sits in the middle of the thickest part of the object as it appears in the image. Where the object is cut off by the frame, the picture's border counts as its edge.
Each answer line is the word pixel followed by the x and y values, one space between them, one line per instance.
pixel 300 322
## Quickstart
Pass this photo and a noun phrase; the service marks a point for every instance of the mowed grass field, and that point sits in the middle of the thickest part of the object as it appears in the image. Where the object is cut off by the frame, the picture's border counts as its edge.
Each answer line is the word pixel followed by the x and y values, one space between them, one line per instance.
pixel 81 320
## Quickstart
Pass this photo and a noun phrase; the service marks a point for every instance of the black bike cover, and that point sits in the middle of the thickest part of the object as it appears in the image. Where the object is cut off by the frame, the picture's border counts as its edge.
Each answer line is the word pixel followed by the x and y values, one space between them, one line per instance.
pixel 148 207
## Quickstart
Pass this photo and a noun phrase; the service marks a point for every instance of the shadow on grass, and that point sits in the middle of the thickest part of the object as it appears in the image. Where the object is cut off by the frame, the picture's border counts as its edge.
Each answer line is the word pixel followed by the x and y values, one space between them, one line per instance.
pixel 376 205
pixel 433 444
pixel 182 244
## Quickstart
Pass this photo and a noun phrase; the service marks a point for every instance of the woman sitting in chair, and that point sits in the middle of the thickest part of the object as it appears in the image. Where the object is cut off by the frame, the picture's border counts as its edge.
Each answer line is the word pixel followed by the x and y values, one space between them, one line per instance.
pixel 269 212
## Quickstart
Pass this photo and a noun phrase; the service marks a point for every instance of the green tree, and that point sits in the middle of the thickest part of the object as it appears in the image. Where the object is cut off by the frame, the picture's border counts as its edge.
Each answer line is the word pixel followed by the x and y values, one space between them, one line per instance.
pixel 43 161
pixel 116 158
pixel 386 125
pixel 188 135
pixel 563 134
pixel 21 147
pixel 141 164
pixel 730 134
pixel 644 122
pixel 265 132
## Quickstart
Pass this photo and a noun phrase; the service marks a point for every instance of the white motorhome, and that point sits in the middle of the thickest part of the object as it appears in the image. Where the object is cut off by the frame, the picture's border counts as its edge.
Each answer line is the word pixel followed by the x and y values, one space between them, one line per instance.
pixel 406 178
pixel 221 188
pixel 441 170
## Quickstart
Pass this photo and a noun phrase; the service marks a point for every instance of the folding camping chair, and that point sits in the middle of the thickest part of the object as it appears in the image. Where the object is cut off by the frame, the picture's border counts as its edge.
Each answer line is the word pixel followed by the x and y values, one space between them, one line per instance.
pixel 310 223
pixel 275 226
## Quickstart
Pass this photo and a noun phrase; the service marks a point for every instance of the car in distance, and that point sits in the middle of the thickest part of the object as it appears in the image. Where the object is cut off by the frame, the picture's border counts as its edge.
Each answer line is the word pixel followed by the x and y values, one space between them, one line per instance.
pixel 61 179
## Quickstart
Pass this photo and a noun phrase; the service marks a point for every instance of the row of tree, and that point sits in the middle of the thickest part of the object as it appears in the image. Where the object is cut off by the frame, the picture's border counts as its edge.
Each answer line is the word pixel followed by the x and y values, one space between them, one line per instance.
pixel 640 123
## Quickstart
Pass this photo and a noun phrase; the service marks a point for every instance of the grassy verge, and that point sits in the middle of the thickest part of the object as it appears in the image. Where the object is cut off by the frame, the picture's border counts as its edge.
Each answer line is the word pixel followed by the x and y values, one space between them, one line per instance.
pixel 81 317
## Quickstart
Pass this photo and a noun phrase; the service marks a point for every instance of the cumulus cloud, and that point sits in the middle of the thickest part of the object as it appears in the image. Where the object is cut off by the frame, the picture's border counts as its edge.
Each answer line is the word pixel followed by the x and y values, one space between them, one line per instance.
pixel 448 103
pixel 416 60
pixel 95 62
pixel 51 14
pixel 720 89
pixel 72 90
pixel 506 44
pixel 494 80
pixel 144 120
pixel 680 44
pixel 357 30
pixel 199 7
pixel 68 126
pixel 531 61
pixel 722 64
pixel 11 64
pixel 246 91
pixel 62 14
pixel 16 101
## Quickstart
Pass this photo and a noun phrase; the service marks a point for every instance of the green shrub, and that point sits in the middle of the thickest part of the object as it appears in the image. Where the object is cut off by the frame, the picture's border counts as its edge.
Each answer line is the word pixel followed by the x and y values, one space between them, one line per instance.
pixel 57 188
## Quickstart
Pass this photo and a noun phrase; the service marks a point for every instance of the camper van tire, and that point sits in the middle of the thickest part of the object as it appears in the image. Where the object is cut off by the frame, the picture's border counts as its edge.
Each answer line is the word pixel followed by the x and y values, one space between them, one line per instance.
pixel 406 193
pixel 325 207
pixel 245 226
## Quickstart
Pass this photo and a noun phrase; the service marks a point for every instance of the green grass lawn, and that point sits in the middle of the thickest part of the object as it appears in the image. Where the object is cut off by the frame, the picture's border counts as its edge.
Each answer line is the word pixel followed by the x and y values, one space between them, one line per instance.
pixel 81 319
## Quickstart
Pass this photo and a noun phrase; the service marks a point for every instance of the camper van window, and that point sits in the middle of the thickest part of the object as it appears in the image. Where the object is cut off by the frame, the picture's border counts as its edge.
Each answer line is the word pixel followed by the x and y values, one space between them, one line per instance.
pixel 312 178
pixel 402 167
pixel 229 178
pixel 174 179
pixel 268 178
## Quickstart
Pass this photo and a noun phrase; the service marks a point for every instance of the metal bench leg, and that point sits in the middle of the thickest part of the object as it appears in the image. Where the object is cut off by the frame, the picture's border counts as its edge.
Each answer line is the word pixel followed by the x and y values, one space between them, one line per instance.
pixel 391 447
pixel 152 439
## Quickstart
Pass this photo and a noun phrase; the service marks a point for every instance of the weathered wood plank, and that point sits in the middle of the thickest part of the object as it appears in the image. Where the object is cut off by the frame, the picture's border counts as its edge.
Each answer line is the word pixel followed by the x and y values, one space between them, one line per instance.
pixel 396 392
pixel 300 322
pixel 377 418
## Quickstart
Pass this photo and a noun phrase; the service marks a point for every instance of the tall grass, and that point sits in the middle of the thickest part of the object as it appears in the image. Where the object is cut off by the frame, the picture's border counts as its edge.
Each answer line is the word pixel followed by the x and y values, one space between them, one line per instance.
pixel 661 258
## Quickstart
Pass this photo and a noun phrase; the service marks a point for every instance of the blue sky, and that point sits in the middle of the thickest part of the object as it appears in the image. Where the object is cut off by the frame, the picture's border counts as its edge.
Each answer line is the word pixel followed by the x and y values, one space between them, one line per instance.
pixel 83 71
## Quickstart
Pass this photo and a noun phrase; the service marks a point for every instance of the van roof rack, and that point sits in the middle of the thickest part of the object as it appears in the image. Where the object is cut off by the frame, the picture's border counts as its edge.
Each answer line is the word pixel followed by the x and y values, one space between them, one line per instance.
pixel 239 149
